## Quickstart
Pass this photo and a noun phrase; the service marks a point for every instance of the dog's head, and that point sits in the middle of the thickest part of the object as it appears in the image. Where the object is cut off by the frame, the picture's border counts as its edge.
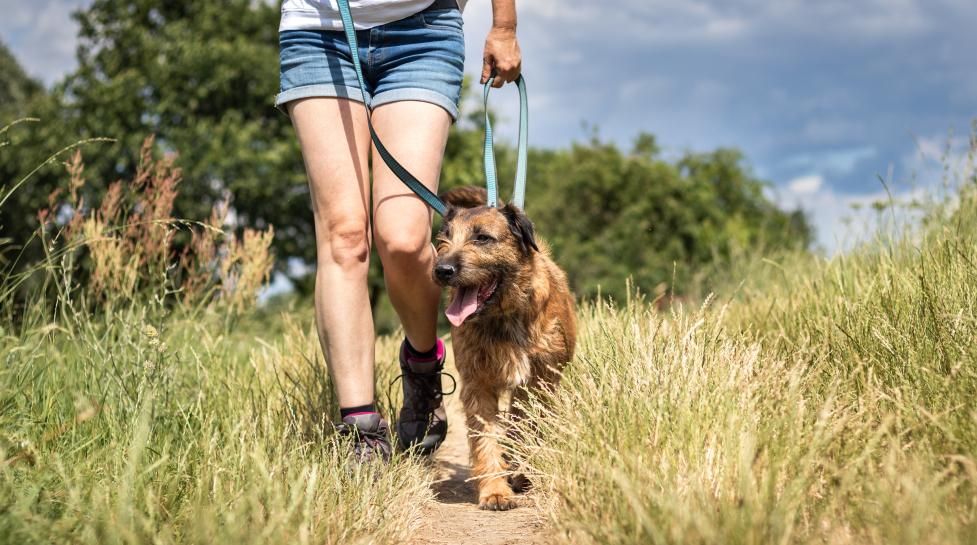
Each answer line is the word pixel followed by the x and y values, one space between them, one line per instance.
pixel 479 250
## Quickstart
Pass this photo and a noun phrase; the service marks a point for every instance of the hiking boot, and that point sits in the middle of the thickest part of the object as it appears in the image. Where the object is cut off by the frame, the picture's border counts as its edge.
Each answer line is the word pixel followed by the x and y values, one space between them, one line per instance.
pixel 423 424
pixel 370 436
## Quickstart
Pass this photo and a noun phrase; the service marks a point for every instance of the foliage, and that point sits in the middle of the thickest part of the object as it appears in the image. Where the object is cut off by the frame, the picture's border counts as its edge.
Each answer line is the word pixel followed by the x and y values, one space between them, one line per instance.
pixel 122 246
pixel 16 87
pixel 202 77
pixel 611 215
pixel 143 398
pixel 148 417
pixel 151 426
pixel 826 401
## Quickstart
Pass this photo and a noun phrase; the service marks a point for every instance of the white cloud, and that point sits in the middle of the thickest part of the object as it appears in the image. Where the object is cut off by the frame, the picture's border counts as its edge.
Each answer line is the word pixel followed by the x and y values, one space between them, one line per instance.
pixel 806 185
pixel 811 91
pixel 42 35
pixel 702 21
pixel 933 171
pixel 843 220
pixel 939 161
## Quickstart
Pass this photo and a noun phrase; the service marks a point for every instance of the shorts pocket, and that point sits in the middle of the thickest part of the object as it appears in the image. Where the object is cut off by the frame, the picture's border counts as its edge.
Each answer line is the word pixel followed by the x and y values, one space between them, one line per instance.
pixel 443 19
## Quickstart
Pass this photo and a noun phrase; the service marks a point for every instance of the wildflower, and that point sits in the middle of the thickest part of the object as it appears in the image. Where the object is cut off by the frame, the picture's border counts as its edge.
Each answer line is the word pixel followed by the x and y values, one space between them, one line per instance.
pixel 149 366
pixel 150 331
pixel 161 347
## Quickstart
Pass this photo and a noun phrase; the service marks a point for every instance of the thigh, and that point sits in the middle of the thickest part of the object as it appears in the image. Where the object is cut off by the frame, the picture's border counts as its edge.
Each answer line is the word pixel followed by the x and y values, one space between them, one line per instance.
pixel 335 144
pixel 418 84
pixel 415 133
pixel 423 59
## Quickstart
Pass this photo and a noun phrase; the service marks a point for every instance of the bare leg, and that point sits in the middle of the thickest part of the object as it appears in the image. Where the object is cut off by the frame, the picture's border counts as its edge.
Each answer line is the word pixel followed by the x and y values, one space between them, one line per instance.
pixel 335 144
pixel 415 133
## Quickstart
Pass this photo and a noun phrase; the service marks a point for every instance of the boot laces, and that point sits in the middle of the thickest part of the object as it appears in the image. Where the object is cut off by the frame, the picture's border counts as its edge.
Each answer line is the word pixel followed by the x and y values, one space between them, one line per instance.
pixel 372 440
pixel 429 384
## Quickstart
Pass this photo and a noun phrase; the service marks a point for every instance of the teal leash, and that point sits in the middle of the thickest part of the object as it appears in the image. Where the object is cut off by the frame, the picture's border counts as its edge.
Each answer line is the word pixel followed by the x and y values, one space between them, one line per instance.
pixel 405 176
pixel 432 200
pixel 519 191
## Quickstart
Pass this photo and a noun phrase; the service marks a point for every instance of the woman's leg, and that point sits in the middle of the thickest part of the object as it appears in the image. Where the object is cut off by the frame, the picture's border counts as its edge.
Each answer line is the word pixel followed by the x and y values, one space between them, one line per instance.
pixel 415 133
pixel 335 144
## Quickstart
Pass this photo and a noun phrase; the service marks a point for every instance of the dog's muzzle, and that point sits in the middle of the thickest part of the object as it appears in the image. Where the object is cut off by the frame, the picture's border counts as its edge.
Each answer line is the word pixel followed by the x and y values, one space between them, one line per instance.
pixel 445 271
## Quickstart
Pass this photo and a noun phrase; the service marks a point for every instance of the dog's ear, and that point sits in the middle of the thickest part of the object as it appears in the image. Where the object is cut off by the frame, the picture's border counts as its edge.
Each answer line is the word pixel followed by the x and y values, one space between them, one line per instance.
pixel 449 214
pixel 521 228
pixel 465 197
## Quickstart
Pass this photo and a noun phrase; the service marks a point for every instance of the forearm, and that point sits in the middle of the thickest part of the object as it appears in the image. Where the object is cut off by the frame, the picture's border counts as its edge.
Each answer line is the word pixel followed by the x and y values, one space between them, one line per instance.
pixel 504 14
pixel 502 54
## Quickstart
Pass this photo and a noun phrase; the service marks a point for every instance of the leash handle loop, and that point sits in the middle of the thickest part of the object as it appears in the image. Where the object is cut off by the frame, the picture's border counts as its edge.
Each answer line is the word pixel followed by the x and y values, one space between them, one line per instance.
pixel 519 191
pixel 405 176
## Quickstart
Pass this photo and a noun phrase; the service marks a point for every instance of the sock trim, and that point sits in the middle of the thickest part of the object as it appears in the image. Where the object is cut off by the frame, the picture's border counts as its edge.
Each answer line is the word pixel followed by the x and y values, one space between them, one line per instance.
pixel 418 355
pixel 359 409
pixel 361 412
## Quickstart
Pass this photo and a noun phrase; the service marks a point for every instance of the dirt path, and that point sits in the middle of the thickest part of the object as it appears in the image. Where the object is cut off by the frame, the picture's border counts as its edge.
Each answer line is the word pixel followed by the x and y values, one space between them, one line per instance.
pixel 454 517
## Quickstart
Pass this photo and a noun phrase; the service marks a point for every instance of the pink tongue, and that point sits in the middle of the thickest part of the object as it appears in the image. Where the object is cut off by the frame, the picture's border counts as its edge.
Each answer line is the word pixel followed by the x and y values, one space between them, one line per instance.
pixel 462 306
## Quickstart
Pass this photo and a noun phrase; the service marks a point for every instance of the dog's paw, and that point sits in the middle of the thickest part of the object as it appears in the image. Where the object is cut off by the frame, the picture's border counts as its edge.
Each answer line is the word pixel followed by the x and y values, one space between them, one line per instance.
pixel 520 483
pixel 496 502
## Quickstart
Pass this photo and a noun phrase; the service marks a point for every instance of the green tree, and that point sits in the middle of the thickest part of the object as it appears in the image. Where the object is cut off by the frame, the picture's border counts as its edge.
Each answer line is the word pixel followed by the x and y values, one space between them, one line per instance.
pixel 202 76
pixel 22 96
pixel 16 87
pixel 611 215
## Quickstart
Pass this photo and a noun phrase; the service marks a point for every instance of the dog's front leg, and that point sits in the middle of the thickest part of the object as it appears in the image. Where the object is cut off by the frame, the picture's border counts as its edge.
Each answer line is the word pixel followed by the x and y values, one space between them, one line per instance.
pixel 488 464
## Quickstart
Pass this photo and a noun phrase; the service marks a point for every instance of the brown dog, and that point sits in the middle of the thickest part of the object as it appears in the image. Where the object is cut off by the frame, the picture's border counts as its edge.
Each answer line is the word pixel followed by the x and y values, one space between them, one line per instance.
pixel 513 323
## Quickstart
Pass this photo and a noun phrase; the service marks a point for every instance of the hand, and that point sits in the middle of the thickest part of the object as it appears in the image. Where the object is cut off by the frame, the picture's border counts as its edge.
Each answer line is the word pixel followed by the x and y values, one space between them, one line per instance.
pixel 502 54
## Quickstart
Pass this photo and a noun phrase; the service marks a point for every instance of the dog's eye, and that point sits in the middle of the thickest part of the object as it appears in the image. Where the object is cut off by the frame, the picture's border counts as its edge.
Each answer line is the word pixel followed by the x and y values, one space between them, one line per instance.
pixel 482 238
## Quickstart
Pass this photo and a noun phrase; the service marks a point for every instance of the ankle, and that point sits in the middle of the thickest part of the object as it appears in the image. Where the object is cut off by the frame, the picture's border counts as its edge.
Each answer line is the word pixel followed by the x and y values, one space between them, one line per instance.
pixel 423 355
pixel 357 410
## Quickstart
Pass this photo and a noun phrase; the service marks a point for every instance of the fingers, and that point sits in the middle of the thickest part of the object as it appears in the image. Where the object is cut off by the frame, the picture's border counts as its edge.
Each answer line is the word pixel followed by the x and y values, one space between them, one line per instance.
pixel 504 72
pixel 507 73
pixel 486 69
pixel 502 56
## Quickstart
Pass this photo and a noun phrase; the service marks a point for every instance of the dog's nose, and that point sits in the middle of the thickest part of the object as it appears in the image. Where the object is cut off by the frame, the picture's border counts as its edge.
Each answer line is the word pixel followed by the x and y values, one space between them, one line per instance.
pixel 444 271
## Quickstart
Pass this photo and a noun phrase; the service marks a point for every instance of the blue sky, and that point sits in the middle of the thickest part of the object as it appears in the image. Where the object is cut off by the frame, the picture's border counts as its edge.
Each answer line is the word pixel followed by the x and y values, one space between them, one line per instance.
pixel 822 96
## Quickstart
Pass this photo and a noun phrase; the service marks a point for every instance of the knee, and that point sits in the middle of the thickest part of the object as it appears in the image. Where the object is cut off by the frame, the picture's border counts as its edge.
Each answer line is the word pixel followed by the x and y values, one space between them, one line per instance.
pixel 348 245
pixel 404 247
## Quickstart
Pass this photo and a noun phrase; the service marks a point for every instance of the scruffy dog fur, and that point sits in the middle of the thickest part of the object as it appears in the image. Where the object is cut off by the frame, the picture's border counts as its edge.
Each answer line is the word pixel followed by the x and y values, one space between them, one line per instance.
pixel 513 322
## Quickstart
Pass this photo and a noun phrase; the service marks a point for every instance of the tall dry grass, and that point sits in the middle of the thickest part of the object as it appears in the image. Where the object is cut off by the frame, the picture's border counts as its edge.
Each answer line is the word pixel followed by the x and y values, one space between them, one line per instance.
pixel 825 401
pixel 143 398
pixel 125 245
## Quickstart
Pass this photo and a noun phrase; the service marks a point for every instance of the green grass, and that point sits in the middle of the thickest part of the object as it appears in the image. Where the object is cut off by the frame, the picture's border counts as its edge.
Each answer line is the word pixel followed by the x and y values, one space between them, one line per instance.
pixel 826 401
pixel 818 401
pixel 144 400
pixel 114 435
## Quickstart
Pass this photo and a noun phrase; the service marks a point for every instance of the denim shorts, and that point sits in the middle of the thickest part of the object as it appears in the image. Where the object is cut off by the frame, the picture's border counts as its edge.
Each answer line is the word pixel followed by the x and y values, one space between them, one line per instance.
pixel 421 57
